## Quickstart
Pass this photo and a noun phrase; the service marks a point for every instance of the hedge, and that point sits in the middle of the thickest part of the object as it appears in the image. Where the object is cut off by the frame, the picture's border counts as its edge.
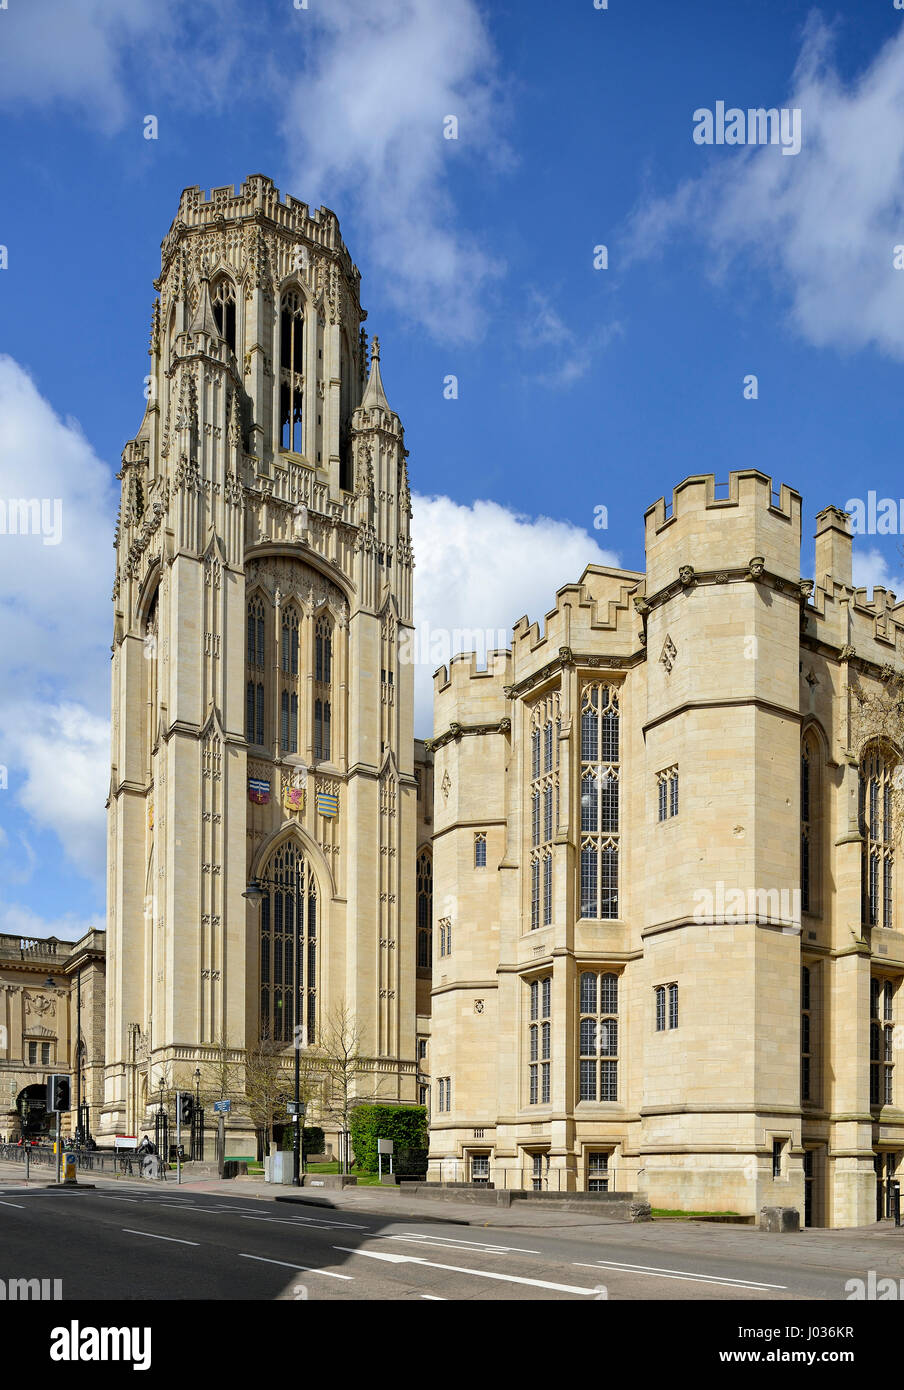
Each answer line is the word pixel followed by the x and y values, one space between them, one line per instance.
pixel 405 1125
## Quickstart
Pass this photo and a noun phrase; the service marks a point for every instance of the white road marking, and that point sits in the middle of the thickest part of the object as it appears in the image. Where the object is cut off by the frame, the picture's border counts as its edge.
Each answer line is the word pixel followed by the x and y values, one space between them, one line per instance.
pixel 434 1297
pixel 306 1222
pixel 152 1235
pixel 482 1247
pixel 307 1268
pixel 12 1204
pixel 478 1273
pixel 105 1198
pixel 653 1272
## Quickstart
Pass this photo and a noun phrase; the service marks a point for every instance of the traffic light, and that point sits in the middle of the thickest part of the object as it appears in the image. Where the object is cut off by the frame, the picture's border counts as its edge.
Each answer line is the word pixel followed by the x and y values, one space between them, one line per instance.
pixel 186 1106
pixel 58 1093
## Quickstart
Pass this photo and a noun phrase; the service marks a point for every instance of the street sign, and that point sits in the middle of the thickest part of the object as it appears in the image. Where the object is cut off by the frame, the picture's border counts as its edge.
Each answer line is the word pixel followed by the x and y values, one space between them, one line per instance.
pixel 222 1107
pixel 295 1107
pixel 385 1146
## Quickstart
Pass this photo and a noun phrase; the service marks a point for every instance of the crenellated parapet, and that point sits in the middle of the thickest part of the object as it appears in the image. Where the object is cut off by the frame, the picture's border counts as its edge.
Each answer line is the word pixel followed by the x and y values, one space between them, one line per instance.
pixel 702 532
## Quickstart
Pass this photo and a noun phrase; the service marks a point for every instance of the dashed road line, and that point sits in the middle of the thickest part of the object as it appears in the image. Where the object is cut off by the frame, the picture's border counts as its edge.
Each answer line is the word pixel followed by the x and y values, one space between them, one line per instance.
pixel 287 1264
pixel 152 1235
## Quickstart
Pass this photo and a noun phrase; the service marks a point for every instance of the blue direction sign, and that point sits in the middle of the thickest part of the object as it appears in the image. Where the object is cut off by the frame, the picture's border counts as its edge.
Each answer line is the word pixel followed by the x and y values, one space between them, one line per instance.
pixel 222 1105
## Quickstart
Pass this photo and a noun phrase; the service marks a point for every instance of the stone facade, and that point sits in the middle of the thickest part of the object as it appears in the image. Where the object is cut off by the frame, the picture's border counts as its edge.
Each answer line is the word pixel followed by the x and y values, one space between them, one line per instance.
pixel 262 720
pixel 658 973
pixel 45 986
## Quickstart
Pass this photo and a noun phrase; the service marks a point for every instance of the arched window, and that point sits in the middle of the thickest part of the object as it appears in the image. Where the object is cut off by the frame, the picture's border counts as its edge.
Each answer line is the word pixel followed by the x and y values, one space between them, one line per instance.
pixel 288 695
pixel 289 922
pixel 256 633
pixel 424 910
pixel 346 476
pixel 323 677
pixel 150 637
pixel 600 775
pixel 810 823
pixel 222 297
pixel 291 372
pixel 876 826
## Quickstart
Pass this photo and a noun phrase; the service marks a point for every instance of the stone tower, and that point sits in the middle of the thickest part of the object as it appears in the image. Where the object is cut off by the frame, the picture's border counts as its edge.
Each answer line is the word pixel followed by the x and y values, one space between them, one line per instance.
pixel 261 719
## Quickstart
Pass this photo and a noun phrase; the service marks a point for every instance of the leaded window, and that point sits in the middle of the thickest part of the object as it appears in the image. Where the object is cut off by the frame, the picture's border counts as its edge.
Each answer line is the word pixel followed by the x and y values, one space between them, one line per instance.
pixel 600 827
pixel 222 298
pixel 323 676
pixel 288 921
pixel 876 827
pixel 424 910
pixel 668 793
pixel 598 1036
pixel 291 372
pixel 540 1040
pixel 881 1042
pixel 544 806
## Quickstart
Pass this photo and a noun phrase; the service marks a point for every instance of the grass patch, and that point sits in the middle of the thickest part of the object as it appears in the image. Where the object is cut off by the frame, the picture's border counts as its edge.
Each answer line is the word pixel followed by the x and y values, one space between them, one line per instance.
pixel 663 1214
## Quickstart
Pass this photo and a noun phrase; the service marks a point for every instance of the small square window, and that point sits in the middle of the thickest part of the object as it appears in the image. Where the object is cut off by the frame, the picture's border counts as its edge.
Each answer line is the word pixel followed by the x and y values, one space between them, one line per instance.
pixel 778 1146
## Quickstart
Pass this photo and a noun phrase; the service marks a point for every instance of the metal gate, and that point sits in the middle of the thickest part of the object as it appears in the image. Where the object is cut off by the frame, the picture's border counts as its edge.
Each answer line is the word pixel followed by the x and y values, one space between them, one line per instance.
pixel 196 1150
pixel 161 1133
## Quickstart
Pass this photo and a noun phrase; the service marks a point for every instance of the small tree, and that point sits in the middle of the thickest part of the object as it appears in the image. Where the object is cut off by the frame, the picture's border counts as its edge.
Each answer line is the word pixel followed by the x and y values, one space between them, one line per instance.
pixel 267 1085
pixel 339 1063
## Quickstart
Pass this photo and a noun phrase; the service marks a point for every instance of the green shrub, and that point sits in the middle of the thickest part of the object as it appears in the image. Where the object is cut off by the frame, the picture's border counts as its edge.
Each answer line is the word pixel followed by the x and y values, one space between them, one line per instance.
pixel 405 1125
pixel 312 1138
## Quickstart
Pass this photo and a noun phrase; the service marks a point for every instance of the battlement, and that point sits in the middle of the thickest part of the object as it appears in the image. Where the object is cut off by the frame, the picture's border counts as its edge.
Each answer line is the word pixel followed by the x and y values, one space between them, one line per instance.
pixel 257 199
pixel 706 531
pixel 470 691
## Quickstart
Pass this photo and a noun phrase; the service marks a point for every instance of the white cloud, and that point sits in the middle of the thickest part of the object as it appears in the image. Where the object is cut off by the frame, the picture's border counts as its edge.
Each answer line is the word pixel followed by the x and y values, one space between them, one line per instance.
pixel 55 621
pixel 478 570
pixel 825 222
pixel 871 568
pixel 364 124
pixel 78 55
pixel 16 920
pixel 568 357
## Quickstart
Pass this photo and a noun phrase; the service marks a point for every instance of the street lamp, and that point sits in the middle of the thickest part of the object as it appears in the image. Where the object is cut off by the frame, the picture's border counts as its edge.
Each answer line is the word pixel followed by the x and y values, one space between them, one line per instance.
pixel 196 1120
pixel 255 894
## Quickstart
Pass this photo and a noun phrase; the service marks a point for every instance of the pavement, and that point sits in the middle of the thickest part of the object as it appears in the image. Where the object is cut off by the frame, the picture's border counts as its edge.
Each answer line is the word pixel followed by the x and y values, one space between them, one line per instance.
pixel 133 1239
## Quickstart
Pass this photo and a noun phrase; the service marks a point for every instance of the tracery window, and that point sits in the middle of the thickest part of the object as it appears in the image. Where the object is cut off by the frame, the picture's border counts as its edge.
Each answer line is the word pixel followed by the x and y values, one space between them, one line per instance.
pixel 600 831
pixel 881 1042
pixel 323 676
pixel 289 900
pixel 876 827
pixel 424 892
pixel 222 298
pixel 288 695
pixel 291 372
pixel 544 806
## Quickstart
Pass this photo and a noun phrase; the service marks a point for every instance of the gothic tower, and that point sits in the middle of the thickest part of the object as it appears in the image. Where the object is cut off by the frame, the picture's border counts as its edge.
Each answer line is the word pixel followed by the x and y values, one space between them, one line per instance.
pixel 261 719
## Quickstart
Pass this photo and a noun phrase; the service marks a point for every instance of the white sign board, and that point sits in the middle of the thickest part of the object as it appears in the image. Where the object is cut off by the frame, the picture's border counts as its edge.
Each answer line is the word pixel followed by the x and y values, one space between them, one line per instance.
pixel 125 1141
pixel 384 1146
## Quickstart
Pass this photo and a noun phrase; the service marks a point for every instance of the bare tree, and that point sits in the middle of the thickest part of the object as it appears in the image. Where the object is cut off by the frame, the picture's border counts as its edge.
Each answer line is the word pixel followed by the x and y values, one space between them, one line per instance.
pixel 221 1075
pixel 340 1062
pixel 268 1084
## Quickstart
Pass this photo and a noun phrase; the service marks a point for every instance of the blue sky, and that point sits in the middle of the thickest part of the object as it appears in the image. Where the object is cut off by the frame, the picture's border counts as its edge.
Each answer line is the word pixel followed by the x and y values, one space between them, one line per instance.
pixel 578 387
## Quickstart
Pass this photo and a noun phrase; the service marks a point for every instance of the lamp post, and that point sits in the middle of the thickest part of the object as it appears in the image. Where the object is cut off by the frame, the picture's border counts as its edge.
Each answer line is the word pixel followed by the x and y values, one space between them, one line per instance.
pixel 196 1119
pixel 255 894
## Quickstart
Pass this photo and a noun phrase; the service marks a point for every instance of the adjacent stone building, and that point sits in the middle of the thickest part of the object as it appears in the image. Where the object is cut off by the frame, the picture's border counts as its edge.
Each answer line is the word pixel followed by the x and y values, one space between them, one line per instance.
pixel 262 720
pixel 668 948
pixel 51 1020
